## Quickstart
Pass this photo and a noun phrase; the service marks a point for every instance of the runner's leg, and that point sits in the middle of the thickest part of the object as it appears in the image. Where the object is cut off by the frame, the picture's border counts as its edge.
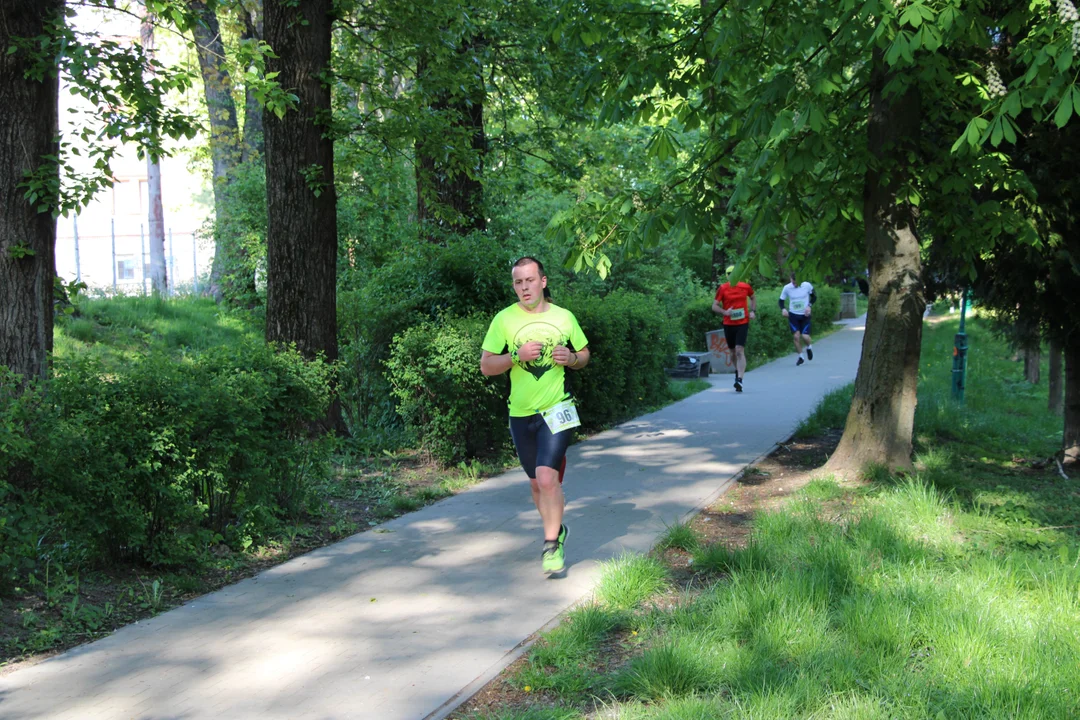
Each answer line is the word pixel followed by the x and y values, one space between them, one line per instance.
pixel 550 466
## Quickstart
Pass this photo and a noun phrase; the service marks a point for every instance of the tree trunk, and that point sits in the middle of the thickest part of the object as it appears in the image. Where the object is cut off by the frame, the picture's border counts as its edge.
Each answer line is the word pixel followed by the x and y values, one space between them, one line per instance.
pixel 449 192
pixel 28 132
pixel 301 278
pixel 879 425
pixel 159 277
pixel 252 145
pixel 1070 440
pixel 224 132
pixel 1032 359
pixel 1054 381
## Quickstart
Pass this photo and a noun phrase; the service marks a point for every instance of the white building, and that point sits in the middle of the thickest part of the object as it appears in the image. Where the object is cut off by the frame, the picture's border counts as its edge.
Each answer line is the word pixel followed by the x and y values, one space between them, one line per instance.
pixel 107 244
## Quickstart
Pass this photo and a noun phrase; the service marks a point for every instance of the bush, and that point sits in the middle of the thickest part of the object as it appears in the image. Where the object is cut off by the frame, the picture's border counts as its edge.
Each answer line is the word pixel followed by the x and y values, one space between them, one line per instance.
pixel 426 281
pixel 454 410
pixel 154 460
pixel 457 413
pixel 631 341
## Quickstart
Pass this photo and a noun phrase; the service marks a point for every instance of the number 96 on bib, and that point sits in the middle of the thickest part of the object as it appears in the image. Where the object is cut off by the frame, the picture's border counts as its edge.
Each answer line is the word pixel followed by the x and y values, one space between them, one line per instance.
pixel 562 416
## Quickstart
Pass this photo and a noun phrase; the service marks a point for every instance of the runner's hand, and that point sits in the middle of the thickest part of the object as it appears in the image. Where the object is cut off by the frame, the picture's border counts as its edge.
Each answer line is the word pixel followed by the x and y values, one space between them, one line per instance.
pixel 807 311
pixel 753 315
pixel 530 351
pixel 784 313
pixel 562 355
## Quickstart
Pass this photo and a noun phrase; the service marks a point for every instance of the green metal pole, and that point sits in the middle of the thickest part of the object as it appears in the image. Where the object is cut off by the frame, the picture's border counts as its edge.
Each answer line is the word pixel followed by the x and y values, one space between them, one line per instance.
pixel 960 348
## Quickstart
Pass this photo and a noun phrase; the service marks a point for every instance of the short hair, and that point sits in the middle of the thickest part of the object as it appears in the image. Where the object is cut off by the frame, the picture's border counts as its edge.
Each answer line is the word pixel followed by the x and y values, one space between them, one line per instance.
pixel 526 259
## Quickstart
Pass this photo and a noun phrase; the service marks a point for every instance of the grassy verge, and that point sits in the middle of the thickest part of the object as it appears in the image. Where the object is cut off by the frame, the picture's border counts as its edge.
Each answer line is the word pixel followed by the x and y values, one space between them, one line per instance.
pixel 951 593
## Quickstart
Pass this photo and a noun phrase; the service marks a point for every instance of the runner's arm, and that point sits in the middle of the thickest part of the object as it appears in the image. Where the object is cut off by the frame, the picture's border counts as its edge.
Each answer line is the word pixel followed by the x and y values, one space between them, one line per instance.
pixel 492 364
pixel 579 359
pixel 717 308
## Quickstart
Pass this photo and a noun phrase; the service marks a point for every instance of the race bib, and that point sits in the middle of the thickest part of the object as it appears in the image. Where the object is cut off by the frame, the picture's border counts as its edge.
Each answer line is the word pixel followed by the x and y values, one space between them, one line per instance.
pixel 562 416
pixel 738 314
pixel 798 306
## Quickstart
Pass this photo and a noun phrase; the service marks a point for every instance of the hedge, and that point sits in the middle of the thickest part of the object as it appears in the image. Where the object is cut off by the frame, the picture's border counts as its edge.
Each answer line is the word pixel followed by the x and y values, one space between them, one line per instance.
pixel 456 413
pixel 155 460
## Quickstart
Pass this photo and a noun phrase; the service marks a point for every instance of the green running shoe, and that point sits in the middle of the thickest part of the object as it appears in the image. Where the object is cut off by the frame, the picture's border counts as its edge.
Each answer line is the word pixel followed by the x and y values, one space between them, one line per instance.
pixel 553 558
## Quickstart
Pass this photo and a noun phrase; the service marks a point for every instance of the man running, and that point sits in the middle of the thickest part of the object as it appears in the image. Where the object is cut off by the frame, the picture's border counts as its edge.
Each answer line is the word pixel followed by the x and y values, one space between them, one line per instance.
pixel 738 306
pixel 800 297
pixel 536 341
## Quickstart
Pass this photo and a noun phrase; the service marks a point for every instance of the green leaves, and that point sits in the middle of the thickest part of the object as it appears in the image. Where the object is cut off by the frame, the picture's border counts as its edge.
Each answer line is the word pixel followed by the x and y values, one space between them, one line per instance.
pixel 664 144
pixel 1069 103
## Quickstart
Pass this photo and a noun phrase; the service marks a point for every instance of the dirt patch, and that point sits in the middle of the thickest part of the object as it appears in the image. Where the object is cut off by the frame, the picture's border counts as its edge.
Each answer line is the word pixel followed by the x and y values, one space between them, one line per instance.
pixel 763 486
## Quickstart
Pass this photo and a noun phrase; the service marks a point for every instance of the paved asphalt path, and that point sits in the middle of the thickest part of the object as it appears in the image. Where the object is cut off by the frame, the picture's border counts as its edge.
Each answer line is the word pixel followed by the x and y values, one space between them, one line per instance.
pixel 404 622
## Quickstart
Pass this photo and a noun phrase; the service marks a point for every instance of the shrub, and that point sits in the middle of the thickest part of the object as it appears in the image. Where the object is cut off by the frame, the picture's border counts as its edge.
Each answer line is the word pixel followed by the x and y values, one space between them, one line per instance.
pixel 631 341
pixel 21 522
pixel 434 372
pixel 156 459
pixel 457 413
pixel 424 282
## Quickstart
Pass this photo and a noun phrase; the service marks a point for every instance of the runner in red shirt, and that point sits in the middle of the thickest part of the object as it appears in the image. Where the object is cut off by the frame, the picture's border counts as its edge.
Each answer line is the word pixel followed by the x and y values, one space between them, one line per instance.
pixel 738 306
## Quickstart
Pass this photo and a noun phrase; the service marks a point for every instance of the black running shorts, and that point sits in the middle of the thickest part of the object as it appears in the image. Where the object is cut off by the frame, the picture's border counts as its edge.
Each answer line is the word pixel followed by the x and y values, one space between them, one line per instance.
pixel 736 335
pixel 536 446
pixel 798 323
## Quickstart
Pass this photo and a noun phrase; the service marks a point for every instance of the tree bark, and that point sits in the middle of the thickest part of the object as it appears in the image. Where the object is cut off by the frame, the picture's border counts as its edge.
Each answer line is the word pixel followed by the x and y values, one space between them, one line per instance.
pixel 1070 437
pixel 252 144
pixel 28 132
pixel 450 193
pixel 159 276
pixel 1032 360
pixel 301 279
pixel 225 144
pixel 880 423
pixel 1054 379
pixel 217 89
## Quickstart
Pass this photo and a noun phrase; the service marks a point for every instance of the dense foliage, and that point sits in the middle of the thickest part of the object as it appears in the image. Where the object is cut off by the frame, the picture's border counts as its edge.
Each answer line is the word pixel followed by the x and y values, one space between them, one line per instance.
pixel 153 460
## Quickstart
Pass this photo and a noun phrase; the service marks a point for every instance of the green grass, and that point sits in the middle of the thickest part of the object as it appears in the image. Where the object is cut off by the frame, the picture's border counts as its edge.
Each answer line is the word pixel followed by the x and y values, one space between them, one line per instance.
pixel 679 535
pixel 629 580
pixel 682 389
pixel 123 326
pixel 950 593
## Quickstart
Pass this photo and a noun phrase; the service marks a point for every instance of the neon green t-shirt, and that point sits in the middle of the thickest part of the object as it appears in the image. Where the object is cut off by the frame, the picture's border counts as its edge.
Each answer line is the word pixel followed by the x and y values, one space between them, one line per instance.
pixel 536 385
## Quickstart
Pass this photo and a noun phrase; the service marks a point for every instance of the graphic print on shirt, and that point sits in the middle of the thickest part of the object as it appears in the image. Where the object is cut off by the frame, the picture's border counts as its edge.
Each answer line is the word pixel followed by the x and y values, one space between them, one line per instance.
pixel 549 336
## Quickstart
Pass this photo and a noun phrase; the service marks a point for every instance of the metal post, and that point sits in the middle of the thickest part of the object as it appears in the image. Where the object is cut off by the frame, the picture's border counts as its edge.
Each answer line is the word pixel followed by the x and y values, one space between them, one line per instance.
pixel 112 233
pixel 78 267
pixel 142 257
pixel 960 348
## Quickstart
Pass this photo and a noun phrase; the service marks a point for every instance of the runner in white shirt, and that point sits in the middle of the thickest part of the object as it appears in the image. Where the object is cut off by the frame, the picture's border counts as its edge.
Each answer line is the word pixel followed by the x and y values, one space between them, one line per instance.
pixel 800 296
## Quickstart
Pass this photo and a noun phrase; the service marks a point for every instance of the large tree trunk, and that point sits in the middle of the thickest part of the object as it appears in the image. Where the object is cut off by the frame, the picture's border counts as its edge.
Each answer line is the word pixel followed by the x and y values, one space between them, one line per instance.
pixel 1070 441
pixel 449 192
pixel 880 422
pixel 217 89
pixel 1054 381
pixel 159 278
pixel 1032 360
pixel 28 132
pixel 301 279
pixel 225 149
